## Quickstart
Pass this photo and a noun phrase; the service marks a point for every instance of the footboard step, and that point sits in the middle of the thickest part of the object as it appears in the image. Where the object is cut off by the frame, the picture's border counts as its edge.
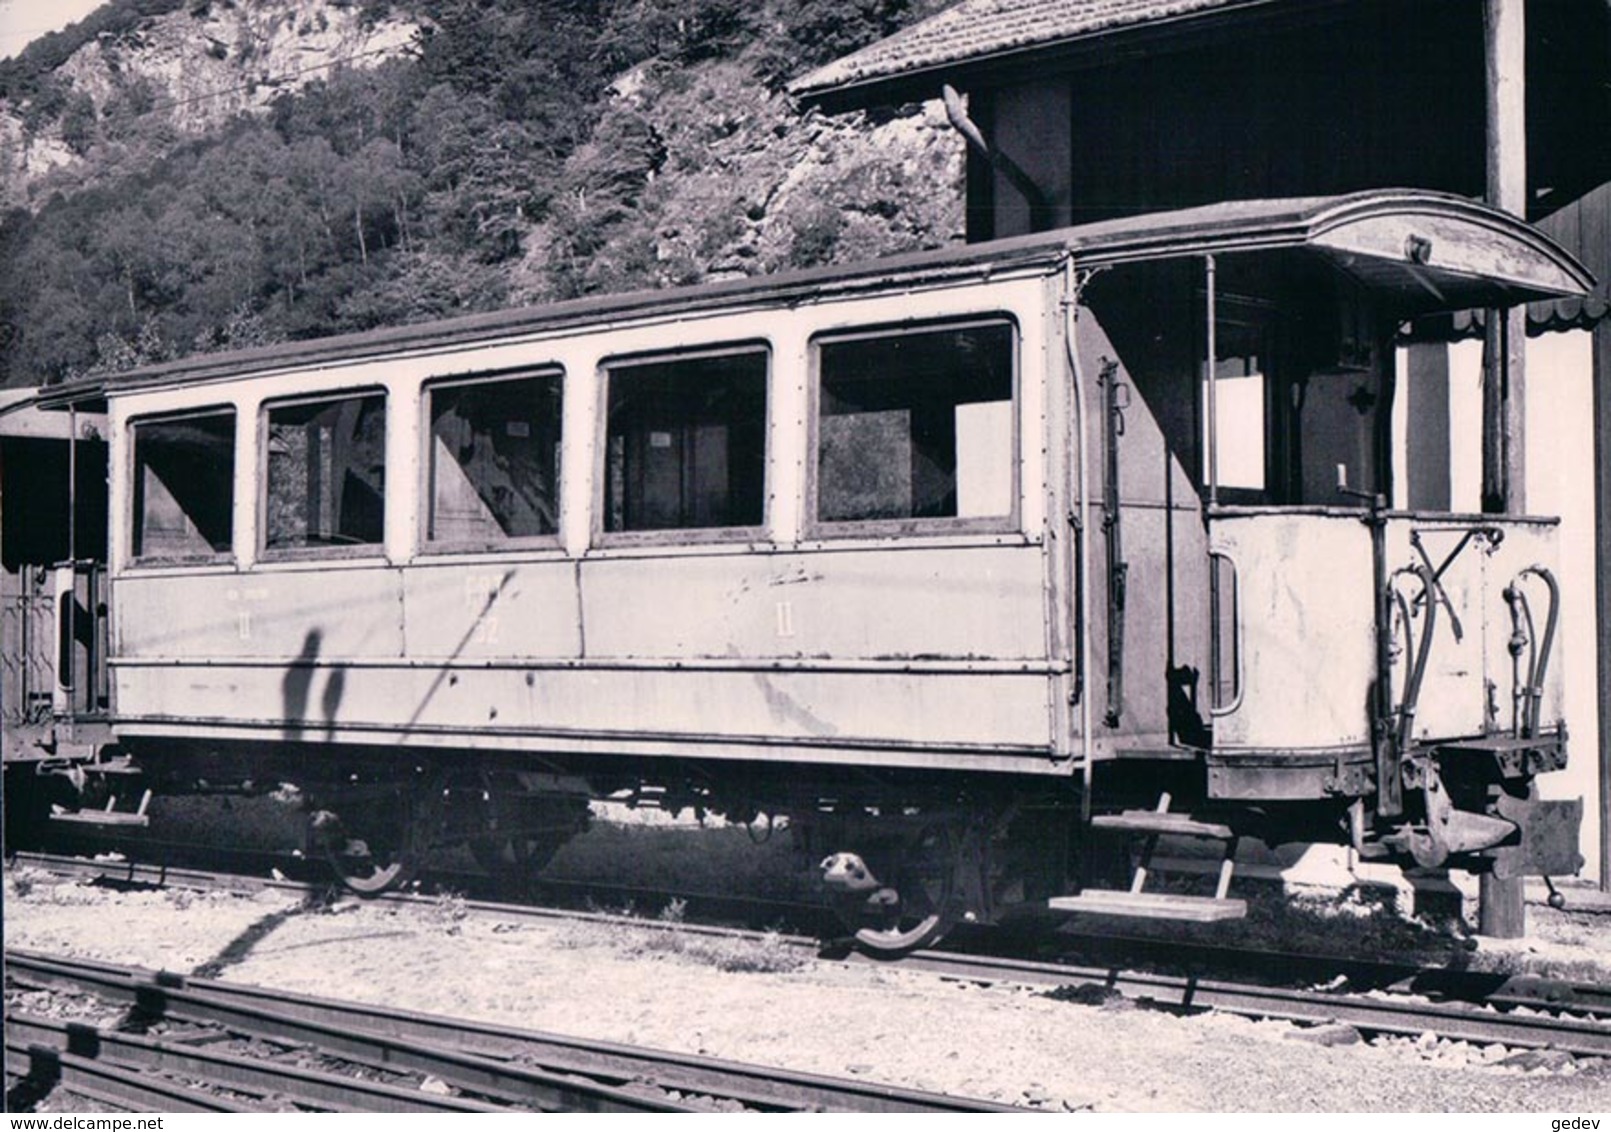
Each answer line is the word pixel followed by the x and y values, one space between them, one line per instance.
pixel 1151 905
pixel 101 817
pixel 111 815
pixel 1151 821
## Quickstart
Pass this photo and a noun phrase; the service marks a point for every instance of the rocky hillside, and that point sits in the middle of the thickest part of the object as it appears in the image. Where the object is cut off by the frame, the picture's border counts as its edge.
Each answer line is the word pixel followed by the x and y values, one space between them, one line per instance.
pixel 194 68
pixel 213 174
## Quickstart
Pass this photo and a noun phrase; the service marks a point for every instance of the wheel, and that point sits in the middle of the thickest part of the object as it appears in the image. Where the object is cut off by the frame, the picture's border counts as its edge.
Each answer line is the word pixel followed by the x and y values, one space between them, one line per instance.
pixel 907 935
pixel 377 843
pixel 921 908
pixel 370 872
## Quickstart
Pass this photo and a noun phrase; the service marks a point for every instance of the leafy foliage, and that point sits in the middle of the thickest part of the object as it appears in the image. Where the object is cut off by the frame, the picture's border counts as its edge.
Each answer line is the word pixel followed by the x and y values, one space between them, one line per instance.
pixel 528 150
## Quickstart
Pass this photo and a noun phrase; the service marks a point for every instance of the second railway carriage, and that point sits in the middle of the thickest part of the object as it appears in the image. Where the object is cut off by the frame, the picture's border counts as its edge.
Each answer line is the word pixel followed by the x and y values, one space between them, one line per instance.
pixel 957 559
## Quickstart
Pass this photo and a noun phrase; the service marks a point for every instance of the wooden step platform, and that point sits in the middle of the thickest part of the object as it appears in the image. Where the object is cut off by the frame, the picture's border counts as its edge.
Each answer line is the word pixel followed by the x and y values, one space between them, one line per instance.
pixel 101 818
pixel 1151 905
pixel 109 816
pixel 1152 821
pixel 119 766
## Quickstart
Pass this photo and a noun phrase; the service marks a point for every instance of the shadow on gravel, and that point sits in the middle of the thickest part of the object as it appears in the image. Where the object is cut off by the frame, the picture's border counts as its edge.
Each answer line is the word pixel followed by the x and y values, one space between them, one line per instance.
pixel 237 949
pixel 1113 999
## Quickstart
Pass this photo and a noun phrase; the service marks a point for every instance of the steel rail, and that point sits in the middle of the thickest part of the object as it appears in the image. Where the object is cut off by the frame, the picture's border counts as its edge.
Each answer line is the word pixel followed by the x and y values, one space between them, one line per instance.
pixel 482 1057
pixel 511 1084
pixel 136 873
pixel 1394 1015
pixel 128 1089
pixel 1490 988
pixel 309 1088
pixel 129 871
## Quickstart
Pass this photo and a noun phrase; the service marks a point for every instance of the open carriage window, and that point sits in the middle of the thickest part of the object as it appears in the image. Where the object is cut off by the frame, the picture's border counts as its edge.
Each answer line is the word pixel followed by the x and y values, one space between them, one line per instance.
pixel 1297 390
pixel 685 444
pixel 917 425
pixel 1240 380
pixel 184 487
pixel 494 460
pixel 326 481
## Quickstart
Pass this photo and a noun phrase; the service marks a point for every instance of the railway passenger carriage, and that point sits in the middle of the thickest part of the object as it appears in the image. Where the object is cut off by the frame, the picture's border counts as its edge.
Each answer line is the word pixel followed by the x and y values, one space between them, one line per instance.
pixel 958 559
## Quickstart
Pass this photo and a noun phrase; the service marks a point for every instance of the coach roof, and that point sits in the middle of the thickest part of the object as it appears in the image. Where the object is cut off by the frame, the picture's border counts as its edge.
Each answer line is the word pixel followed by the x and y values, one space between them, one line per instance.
pixel 1432 251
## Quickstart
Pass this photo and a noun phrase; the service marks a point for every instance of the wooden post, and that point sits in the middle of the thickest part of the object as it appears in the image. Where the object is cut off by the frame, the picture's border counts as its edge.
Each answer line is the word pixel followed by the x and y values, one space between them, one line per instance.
pixel 1500 911
pixel 1504 402
pixel 1504 387
pixel 1602 573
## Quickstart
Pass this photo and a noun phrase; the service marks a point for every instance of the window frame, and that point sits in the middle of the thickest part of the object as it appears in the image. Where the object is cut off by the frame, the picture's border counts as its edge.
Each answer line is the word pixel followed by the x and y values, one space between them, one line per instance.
pixel 132 467
pixel 369 550
pixel 816 528
pixel 680 536
pixel 428 546
pixel 1262 318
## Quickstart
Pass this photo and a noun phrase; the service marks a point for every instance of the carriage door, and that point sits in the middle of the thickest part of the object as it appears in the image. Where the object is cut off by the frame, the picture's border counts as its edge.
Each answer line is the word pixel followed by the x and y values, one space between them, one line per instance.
pixel 83 622
pixel 83 686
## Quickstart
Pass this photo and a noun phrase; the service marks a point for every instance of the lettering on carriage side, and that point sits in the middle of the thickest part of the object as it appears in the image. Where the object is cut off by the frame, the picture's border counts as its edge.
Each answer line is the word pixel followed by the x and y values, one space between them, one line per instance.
pixel 481 591
pixel 243 617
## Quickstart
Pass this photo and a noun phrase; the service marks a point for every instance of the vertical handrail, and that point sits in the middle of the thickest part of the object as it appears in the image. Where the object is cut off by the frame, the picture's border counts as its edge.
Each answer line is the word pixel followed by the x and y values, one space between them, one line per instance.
pixel 1118 569
pixel 1405 730
pixel 1216 706
pixel 1384 733
pixel 1082 523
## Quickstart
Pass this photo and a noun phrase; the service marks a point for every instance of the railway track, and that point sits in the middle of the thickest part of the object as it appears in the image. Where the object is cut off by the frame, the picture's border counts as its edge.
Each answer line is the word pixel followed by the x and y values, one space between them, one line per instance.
pixel 1554 1026
pixel 1375 998
pixel 491 1067
pixel 1444 984
pixel 259 872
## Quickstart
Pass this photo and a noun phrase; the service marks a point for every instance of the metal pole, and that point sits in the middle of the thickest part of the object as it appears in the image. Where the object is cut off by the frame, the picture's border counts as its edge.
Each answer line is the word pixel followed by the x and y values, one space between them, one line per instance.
pixel 1213 400
pixel 1602 572
pixel 68 679
pixel 72 484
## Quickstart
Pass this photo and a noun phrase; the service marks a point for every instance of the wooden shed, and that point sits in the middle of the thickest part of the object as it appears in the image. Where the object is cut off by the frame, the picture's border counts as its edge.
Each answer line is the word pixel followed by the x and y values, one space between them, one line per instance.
pixel 1077 110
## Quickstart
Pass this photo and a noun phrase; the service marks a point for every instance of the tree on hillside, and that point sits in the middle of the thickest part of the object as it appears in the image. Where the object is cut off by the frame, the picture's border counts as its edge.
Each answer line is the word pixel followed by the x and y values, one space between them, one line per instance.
pixel 539 148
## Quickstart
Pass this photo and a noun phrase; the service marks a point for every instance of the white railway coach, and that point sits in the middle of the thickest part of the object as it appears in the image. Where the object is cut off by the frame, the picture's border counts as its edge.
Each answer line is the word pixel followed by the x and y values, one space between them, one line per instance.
pixel 957 559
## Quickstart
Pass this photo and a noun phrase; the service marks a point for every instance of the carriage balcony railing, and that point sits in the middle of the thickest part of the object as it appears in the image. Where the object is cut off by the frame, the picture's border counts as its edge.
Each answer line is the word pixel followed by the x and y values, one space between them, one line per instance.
pixel 27 656
pixel 1294 645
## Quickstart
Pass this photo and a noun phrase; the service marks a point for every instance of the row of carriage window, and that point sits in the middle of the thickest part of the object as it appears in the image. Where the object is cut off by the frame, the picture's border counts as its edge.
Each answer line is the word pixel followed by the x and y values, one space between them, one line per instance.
pixel 913 428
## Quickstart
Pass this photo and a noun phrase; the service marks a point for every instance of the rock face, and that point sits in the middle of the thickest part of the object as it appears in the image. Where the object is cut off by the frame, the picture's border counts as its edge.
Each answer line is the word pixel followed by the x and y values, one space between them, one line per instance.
pixel 203 65
pixel 213 61
pixel 26 156
pixel 743 182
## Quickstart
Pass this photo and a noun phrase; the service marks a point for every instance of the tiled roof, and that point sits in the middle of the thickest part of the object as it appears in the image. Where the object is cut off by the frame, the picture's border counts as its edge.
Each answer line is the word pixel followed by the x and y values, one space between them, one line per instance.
pixel 979 29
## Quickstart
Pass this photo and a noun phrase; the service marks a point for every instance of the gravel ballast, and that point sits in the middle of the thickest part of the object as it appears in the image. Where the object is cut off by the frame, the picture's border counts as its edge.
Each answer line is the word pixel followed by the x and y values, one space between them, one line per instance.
pixel 772 1004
